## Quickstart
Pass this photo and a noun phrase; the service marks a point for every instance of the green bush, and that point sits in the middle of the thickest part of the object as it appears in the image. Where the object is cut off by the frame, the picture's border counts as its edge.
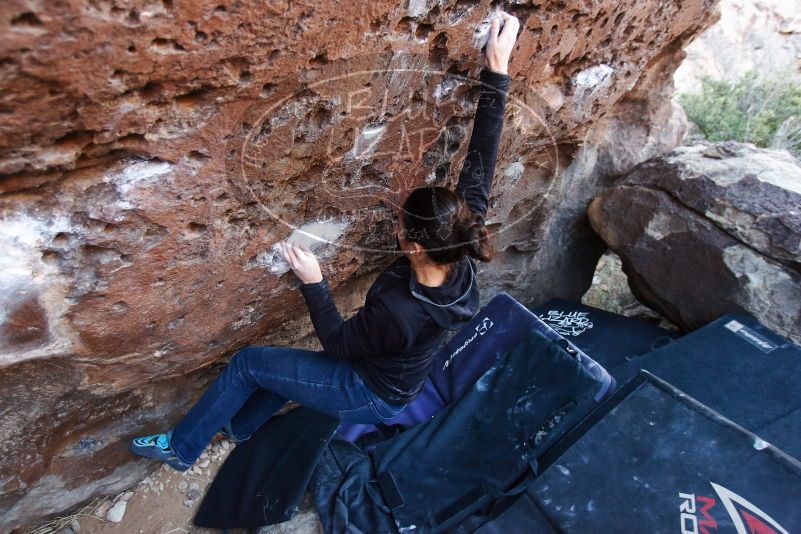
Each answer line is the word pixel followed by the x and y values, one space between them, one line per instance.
pixel 765 111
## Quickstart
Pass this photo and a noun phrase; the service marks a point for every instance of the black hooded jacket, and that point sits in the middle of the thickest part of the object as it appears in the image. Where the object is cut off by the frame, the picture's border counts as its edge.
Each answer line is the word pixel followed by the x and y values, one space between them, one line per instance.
pixel 393 338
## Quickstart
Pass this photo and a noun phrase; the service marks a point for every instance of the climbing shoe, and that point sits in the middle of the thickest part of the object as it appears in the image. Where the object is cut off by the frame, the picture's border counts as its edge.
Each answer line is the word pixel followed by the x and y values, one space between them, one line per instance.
pixel 157 446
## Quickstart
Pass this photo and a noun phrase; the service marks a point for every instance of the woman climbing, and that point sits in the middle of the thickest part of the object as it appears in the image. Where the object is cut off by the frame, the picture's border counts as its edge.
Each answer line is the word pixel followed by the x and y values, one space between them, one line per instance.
pixel 376 362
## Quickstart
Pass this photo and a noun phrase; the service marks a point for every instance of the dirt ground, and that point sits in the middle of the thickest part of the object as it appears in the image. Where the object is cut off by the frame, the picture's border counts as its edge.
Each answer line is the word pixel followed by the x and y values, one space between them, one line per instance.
pixel 166 501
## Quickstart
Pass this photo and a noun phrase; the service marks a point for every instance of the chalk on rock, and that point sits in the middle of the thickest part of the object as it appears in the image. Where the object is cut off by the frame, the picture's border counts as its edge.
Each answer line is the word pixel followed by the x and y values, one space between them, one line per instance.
pixel 117 512
pixel 482 32
pixel 314 235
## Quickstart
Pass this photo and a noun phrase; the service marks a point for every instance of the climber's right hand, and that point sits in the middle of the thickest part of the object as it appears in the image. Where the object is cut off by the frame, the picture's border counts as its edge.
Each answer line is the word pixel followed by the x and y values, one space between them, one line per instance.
pixel 501 42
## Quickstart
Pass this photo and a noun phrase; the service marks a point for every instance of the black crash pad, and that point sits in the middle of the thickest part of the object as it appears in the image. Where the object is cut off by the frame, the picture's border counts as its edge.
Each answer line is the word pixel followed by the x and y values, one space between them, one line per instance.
pixel 659 461
pixel 264 478
pixel 739 368
pixel 610 339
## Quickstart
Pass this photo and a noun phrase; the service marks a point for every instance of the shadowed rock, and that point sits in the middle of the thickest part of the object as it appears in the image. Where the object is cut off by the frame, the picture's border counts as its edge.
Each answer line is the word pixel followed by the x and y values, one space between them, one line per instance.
pixel 710 229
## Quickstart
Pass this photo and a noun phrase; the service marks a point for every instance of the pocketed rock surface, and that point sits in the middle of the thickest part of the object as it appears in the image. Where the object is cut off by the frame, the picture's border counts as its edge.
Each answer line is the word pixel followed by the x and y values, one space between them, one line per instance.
pixel 708 230
pixel 152 153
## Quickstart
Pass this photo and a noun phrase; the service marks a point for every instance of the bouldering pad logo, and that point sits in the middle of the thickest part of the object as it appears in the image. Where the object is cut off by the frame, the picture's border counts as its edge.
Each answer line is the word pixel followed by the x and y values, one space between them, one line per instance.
pixel 697 515
pixel 572 323
pixel 485 325
pixel 347 142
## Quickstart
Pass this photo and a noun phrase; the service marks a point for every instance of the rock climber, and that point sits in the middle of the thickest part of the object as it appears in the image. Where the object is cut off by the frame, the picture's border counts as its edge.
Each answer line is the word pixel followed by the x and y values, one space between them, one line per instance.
pixel 373 364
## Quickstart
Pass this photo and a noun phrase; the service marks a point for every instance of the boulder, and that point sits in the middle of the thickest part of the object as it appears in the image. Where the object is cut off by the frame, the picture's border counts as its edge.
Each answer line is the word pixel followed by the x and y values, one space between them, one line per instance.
pixel 710 229
pixel 152 153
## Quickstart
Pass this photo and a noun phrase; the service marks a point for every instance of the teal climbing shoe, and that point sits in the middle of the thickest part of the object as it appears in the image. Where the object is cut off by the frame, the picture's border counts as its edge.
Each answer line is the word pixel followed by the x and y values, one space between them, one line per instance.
pixel 157 446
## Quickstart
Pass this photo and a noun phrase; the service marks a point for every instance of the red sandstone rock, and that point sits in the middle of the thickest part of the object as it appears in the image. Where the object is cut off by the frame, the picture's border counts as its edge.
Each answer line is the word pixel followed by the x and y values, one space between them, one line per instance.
pixel 152 152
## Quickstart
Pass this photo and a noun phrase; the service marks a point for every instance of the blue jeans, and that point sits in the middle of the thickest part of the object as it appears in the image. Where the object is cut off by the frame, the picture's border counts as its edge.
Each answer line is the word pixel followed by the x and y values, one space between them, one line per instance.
pixel 260 380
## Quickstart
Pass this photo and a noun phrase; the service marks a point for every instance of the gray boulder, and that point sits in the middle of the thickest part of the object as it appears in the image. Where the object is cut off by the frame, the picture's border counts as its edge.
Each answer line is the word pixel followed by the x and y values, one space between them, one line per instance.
pixel 710 229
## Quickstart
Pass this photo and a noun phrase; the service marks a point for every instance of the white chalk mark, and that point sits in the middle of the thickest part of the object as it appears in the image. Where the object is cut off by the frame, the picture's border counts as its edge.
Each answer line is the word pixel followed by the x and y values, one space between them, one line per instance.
pixel 513 172
pixel 314 235
pixel 143 172
pixel 594 77
pixel 135 176
pixel 24 274
pixel 416 8
pixel 482 31
pixel 445 88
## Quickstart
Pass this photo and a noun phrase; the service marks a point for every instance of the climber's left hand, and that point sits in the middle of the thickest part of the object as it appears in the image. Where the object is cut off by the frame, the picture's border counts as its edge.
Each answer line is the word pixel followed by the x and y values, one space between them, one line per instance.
pixel 302 262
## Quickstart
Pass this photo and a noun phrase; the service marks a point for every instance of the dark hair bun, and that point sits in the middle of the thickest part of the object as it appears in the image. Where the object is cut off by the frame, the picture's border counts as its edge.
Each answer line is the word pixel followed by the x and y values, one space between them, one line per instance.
pixel 470 227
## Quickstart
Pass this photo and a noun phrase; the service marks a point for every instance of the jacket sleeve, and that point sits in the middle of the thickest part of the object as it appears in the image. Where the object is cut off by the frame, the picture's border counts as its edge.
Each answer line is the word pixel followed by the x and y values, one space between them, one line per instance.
pixel 372 331
pixel 475 179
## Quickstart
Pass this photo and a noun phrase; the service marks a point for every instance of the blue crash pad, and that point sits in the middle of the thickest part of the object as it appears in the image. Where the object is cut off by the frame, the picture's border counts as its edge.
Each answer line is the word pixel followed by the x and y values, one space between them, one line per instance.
pixel 433 475
pixel 496 328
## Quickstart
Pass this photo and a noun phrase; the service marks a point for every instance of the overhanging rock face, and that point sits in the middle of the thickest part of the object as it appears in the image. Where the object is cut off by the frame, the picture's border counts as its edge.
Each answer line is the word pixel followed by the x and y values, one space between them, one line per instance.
pixel 152 153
